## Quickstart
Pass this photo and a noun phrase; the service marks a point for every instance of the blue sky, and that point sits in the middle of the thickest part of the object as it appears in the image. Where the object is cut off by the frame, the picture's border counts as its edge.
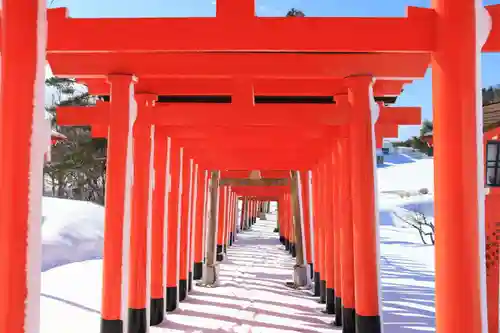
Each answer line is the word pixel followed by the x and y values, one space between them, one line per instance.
pixel 416 94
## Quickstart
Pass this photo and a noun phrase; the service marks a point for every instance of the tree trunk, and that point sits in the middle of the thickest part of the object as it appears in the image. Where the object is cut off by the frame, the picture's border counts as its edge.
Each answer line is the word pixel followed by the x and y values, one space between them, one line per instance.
pixel 60 185
pixel 53 179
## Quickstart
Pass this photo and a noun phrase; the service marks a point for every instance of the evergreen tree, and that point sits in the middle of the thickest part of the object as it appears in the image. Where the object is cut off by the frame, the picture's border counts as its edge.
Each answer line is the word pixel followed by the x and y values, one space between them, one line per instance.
pixel 427 128
pixel 491 95
pixel 295 13
pixel 78 164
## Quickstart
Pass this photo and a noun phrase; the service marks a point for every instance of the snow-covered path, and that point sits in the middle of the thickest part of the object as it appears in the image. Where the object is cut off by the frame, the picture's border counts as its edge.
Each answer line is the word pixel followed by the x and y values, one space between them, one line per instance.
pixel 407 274
pixel 252 296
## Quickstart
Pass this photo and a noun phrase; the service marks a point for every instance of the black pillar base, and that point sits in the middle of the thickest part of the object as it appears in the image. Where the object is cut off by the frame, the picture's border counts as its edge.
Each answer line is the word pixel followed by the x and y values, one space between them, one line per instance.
pixel 137 322
pixel 230 239
pixel 225 248
pixel 233 236
pixel 311 271
pixel 287 244
pixel 182 290
pixel 156 312
pixel 198 270
pixel 348 320
pixel 190 281
pixel 220 253
pixel 338 312
pixel 317 284
pixel 368 324
pixel 111 326
pixel 322 292
pixel 293 250
pixel 330 301
pixel 282 240
pixel 171 299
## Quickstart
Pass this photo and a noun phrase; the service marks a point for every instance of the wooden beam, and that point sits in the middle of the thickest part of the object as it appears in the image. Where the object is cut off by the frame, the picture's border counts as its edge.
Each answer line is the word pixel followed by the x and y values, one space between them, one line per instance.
pixel 255 182
pixel 339 65
pixel 225 86
pixel 413 33
pixel 204 114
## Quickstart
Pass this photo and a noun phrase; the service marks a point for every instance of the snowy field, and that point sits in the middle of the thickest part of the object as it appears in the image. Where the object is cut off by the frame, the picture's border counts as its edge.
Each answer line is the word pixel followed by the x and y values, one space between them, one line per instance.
pixel 252 297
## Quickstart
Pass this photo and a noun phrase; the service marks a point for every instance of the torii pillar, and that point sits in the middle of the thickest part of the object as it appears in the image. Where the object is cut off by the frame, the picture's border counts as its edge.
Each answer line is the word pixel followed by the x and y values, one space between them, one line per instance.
pixel 21 178
pixel 140 225
pixel 119 173
pixel 364 209
pixel 199 238
pixel 462 27
pixel 173 226
pixel 305 195
pixel 187 169
pixel 158 228
pixel 348 157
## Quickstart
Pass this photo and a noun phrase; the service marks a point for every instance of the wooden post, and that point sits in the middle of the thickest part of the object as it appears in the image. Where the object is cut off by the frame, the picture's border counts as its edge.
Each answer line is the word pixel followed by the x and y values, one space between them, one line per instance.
pixel 246 216
pixel 301 271
pixel 227 219
pixel 297 217
pixel 221 221
pixel 210 272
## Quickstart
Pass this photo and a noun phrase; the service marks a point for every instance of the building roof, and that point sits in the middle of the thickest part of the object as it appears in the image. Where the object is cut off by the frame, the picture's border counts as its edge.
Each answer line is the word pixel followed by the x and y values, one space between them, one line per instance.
pixel 491 116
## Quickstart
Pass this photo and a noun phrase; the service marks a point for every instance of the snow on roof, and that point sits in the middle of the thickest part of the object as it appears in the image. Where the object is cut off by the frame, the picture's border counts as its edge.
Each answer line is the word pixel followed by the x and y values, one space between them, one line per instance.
pixel 56 135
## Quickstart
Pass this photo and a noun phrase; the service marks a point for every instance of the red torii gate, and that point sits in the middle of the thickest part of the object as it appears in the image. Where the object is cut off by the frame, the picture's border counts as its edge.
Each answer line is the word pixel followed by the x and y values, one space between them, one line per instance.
pixel 390 117
pixel 458 198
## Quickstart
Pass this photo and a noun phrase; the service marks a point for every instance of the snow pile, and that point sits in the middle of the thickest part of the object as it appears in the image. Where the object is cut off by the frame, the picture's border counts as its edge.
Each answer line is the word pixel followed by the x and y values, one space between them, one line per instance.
pixel 411 176
pixel 72 231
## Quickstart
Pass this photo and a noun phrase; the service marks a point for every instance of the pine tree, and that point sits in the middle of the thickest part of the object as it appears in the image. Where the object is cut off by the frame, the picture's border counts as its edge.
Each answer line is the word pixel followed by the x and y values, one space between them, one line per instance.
pixel 78 165
pixel 295 13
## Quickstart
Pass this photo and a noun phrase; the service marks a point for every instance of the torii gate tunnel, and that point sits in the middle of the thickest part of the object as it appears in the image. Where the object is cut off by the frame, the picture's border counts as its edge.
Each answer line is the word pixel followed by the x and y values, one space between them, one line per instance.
pixel 189 101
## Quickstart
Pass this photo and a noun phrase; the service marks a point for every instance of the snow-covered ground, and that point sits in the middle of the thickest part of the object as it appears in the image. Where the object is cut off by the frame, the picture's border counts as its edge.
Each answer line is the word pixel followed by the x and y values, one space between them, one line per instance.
pixel 72 231
pixel 252 297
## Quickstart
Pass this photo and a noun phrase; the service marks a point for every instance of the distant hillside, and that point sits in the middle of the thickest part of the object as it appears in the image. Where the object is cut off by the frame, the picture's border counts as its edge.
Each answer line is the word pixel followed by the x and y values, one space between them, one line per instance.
pixel 491 95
